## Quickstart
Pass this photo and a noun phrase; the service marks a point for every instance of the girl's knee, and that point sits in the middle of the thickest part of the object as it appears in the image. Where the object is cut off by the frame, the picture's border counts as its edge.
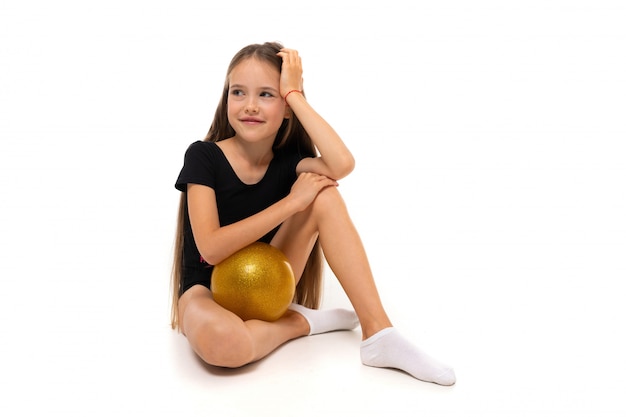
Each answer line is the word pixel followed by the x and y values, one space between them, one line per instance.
pixel 224 345
pixel 328 199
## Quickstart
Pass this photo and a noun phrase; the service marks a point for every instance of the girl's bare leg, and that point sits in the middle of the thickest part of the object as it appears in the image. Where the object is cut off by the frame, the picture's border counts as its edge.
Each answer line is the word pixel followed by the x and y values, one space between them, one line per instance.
pixel 221 338
pixel 383 346
pixel 328 217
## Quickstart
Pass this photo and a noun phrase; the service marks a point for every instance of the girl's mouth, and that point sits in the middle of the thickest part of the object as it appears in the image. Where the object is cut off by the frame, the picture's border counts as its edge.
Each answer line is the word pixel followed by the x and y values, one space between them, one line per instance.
pixel 251 120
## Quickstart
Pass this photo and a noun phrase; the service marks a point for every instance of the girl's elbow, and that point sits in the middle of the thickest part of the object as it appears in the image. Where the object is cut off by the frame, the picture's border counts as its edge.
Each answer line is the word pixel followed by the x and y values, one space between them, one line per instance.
pixel 346 168
pixel 350 165
pixel 211 255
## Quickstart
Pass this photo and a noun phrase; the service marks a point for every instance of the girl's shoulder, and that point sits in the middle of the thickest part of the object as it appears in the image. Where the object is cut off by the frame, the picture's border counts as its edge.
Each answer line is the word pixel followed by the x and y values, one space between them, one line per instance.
pixel 202 146
pixel 203 162
pixel 203 149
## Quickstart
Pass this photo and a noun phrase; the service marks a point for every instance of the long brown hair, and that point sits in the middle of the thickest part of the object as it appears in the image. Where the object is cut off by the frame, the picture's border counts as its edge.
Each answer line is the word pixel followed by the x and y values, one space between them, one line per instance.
pixel 291 135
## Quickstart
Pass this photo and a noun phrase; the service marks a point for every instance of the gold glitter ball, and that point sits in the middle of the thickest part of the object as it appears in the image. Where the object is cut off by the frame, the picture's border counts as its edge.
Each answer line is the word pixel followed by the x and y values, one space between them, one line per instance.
pixel 256 282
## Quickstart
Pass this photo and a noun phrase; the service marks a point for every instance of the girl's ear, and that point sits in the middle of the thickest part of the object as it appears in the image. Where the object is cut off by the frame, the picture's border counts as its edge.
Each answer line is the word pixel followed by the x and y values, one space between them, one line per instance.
pixel 287 113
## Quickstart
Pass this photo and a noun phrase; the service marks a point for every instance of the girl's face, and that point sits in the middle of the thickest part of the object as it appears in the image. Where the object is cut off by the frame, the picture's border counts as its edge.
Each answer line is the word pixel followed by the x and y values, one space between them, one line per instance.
pixel 255 107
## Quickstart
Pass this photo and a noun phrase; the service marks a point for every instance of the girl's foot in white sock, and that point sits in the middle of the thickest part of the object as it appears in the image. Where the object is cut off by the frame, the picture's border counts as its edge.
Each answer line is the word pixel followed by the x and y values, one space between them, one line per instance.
pixel 389 349
pixel 322 321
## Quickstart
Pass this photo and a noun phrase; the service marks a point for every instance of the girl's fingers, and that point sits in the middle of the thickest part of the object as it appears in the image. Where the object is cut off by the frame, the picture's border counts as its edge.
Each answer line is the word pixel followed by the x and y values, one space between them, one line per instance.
pixel 322 181
pixel 291 74
pixel 288 51
pixel 289 56
pixel 309 185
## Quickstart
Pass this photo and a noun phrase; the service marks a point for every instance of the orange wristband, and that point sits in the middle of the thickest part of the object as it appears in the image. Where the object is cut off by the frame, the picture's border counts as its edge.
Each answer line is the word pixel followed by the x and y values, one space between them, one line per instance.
pixel 292 91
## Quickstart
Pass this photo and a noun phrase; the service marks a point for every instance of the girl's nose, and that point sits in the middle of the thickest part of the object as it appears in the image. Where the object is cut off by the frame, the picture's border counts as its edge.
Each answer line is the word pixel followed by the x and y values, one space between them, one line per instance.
pixel 252 105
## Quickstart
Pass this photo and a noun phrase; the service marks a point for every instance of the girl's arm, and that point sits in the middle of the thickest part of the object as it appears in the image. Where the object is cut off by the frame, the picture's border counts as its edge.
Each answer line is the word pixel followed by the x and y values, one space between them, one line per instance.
pixel 336 160
pixel 216 243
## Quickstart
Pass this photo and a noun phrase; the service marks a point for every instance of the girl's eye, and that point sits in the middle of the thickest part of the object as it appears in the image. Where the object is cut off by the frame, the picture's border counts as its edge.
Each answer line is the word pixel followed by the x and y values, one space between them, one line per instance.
pixel 266 94
pixel 236 92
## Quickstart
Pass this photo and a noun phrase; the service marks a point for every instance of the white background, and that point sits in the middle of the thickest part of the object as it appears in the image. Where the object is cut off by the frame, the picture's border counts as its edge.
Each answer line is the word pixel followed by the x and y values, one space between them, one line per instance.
pixel 490 192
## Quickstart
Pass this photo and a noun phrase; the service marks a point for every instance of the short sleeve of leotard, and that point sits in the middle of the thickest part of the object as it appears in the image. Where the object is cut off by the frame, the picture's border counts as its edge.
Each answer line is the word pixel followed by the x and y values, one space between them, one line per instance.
pixel 199 166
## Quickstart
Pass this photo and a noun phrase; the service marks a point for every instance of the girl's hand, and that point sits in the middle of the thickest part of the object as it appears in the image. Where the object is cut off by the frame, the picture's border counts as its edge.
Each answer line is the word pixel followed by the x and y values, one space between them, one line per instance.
pixel 307 187
pixel 291 71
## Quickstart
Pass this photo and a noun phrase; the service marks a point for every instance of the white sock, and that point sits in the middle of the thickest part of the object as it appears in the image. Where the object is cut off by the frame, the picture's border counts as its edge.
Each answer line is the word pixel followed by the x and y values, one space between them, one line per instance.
pixel 389 349
pixel 322 321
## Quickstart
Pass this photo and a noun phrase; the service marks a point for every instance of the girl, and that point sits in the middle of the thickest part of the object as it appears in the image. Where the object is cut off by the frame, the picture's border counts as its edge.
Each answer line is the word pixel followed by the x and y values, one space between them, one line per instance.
pixel 267 171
